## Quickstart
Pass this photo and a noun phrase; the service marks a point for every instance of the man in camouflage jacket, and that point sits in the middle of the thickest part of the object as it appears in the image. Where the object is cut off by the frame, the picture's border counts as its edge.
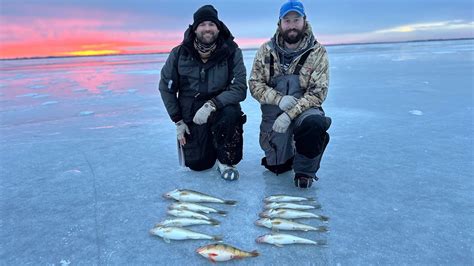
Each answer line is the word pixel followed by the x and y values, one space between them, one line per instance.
pixel 289 78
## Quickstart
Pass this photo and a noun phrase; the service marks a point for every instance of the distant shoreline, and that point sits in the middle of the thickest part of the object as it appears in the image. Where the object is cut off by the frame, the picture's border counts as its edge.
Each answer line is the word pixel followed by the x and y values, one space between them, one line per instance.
pixel 243 49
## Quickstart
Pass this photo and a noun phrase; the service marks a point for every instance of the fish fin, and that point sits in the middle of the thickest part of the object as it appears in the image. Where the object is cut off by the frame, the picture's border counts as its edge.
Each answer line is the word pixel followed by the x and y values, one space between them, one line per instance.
pixel 254 253
pixel 166 240
pixel 230 202
pixel 217 238
pixel 323 218
pixel 223 213
pixel 279 245
pixel 214 222
pixel 276 222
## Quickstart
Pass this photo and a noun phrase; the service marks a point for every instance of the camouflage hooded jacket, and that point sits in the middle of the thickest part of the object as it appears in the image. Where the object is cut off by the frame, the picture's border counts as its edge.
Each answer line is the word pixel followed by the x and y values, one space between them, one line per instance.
pixel 313 78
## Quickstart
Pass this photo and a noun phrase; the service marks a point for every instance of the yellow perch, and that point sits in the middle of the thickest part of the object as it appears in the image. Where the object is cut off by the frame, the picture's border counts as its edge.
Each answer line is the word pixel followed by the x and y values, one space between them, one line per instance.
pixel 224 252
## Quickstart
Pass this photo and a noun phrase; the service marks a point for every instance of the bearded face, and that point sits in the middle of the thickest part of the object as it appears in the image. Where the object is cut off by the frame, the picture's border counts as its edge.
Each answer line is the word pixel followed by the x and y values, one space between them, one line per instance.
pixel 292 27
pixel 292 36
pixel 207 32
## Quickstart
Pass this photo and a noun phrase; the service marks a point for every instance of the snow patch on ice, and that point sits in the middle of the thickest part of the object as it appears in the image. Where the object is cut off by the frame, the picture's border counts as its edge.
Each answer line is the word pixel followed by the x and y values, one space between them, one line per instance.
pixel 27 95
pixel 403 58
pixel 65 262
pixel 443 52
pixel 85 113
pixel 37 87
pixel 416 112
pixel 50 103
pixel 142 72
pixel 101 127
pixel 40 96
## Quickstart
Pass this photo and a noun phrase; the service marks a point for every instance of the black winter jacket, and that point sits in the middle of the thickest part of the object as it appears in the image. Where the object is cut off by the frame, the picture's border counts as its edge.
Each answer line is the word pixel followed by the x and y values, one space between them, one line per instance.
pixel 197 82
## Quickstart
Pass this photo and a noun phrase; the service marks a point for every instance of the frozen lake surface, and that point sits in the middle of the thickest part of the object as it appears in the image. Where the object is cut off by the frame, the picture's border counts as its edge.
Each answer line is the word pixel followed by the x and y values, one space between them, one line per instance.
pixel 87 150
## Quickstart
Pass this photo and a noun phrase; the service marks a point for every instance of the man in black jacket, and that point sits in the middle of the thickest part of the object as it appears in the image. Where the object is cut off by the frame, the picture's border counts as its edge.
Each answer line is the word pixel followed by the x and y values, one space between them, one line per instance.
pixel 202 84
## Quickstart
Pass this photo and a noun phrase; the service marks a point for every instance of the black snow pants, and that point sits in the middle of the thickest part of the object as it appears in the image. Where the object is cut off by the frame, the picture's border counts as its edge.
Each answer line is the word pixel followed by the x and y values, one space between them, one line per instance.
pixel 220 138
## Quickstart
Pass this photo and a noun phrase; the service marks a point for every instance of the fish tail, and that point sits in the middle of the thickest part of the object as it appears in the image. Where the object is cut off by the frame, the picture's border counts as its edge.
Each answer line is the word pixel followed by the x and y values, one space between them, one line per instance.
pixel 317 206
pixel 230 202
pixel 321 242
pixel 254 253
pixel 223 213
pixel 217 238
pixel 322 229
pixel 214 222
pixel 323 218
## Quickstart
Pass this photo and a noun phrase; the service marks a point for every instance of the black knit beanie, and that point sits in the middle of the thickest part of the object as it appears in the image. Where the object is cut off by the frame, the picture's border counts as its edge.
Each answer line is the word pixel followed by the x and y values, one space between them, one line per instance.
pixel 206 13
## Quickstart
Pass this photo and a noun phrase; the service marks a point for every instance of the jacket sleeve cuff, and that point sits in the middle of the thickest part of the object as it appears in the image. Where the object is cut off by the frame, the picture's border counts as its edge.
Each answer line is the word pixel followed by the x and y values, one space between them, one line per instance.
pixel 277 99
pixel 216 103
pixel 293 112
pixel 176 118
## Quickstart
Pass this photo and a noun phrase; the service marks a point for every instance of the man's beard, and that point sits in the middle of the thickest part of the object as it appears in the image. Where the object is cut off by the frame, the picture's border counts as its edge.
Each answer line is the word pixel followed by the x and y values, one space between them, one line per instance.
pixel 201 39
pixel 292 39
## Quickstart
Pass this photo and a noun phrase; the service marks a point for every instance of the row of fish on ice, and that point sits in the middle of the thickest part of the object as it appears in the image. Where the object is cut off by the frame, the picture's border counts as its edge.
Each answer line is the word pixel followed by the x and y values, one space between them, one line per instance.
pixel 279 209
pixel 187 213
pixel 279 213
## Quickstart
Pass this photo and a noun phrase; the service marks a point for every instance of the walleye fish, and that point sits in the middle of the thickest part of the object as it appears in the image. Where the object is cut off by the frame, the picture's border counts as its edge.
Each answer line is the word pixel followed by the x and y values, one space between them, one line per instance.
pixel 286 198
pixel 284 239
pixel 177 233
pixel 195 208
pixel 282 224
pixel 288 205
pixel 187 195
pixel 224 252
pixel 188 214
pixel 291 214
pixel 181 222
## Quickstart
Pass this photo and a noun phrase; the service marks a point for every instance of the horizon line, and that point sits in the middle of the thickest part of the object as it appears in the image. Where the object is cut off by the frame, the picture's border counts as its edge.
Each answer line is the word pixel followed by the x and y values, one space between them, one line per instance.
pixel 243 49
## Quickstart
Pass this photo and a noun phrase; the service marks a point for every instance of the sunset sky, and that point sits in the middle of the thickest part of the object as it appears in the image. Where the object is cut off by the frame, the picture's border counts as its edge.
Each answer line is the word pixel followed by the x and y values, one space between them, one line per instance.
pixel 34 28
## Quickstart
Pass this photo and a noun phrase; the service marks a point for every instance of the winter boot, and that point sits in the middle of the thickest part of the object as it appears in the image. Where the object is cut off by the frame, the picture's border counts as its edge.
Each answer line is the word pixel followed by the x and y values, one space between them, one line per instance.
pixel 228 172
pixel 304 181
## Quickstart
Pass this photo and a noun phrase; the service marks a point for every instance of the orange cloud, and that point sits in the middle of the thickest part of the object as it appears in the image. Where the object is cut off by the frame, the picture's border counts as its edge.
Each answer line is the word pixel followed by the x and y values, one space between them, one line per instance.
pixel 76 37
